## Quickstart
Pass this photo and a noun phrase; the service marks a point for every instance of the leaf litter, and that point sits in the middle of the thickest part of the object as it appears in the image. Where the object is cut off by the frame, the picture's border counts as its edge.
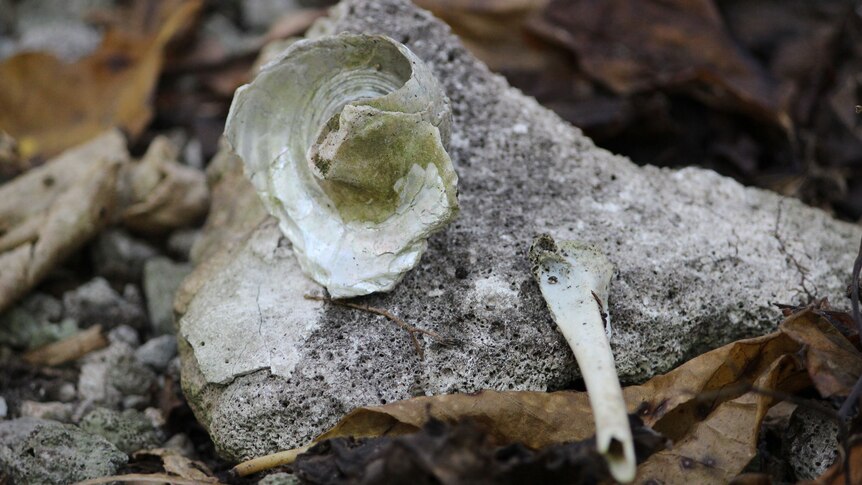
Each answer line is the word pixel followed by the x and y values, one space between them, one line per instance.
pixel 49 212
pixel 710 409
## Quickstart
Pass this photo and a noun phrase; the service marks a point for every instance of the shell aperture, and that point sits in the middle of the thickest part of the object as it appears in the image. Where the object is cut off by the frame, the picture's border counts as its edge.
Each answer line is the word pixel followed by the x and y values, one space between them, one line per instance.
pixel 344 138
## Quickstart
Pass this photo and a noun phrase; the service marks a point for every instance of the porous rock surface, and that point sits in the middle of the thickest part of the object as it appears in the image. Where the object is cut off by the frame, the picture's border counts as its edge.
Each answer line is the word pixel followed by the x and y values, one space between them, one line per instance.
pixel 700 261
pixel 811 443
pixel 40 451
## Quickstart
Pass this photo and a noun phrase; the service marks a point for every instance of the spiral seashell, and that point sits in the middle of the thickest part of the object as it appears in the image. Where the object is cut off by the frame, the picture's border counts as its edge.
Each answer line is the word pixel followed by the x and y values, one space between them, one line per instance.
pixel 344 137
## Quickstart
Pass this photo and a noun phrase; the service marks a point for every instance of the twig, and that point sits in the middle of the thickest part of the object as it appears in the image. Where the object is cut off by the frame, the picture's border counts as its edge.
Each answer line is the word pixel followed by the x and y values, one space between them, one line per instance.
pixel 854 290
pixel 853 398
pixel 68 349
pixel 802 270
pixel 266 462
pixel 146 478
pixel 411 330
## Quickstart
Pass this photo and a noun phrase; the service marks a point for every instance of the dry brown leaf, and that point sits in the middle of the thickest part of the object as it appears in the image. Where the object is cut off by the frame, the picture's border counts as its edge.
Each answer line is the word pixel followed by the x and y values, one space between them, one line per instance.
pixel 49 106
pixel 717 449
pixel 833 362
pixel 139 478
pixel 536 419
pixel 752 479
pixel 178 469
pixel 672 403
pixel 178 465
pixel 633 46
pixel 495 32
pixel 706 406
pixel 161 193
pixel 50 211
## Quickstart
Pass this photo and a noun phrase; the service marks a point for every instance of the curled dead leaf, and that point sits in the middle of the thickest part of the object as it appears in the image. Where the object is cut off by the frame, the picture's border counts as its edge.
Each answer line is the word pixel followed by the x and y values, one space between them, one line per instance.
pixel 716 449
pixel 495 31
pixel 68 349
pixel 463 452
pixel 634 46
pixel 52 210
pixel 833 363
pixel 179 465
pixel 161 194
pixel 49 106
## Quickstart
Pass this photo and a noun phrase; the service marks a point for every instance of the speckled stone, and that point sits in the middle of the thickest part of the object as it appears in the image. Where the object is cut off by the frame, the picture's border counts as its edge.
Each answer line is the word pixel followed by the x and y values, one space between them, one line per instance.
pixel 700 262
pixel 41 451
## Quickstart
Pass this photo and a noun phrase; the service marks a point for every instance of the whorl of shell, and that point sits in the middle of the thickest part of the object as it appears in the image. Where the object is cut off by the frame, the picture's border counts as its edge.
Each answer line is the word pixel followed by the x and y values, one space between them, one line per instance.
pixel 344 137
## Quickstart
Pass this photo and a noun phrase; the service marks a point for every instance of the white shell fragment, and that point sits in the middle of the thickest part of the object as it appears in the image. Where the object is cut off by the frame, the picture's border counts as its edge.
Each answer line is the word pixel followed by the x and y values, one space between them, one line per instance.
pixel 574 279
pixel 344 139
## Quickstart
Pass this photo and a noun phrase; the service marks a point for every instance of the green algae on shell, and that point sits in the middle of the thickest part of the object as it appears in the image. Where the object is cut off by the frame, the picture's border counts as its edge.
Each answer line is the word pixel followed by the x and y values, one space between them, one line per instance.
pixel 344 137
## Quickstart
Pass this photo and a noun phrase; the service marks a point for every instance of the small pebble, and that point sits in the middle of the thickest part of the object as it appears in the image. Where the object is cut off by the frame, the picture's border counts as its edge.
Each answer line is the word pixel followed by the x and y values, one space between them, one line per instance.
pixel 126 334
pixel 67 392
pixel 97 302
pixel 162 278
pixel 157 352
pixel 182 443
pixel 156 417
pixel 56 411
pixel 135 402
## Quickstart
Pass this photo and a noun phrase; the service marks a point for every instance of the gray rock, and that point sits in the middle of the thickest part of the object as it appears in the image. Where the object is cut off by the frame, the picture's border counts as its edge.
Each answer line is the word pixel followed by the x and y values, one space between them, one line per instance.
pixel 182 443
pixel 162 277
pixel 129 430
pixel 4 408
pixel 60 27
pixel 125 334
pixel 156 417
pixel 158 352
pixel 135 401
pixel 181 241
pixel 39 451
pixel 65 392
pixel 112 375
pixel 174 368
pixel 119 256
pixel 193 155
pixel 37 321
pixel 53 410
pixel 279 479
pixel 701 260
pixel 228 36
pixel 811 443
pixel 43 307
pixel 96 302
pixel 260 14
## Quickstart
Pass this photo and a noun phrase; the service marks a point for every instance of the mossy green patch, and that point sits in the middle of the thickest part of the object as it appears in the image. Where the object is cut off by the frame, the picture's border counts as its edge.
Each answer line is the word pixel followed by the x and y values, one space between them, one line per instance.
pixel 371 151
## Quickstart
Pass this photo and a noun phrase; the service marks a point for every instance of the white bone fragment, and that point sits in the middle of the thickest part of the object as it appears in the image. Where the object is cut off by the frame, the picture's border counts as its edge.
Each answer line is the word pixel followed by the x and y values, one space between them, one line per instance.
pixel 574 278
